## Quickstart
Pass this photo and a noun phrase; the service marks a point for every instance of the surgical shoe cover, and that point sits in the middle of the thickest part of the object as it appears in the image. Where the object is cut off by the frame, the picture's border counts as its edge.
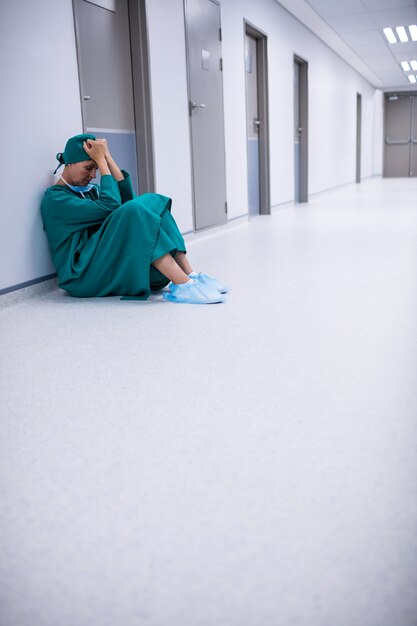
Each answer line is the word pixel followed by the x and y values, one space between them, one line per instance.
pixel 192 292
pixel 209 281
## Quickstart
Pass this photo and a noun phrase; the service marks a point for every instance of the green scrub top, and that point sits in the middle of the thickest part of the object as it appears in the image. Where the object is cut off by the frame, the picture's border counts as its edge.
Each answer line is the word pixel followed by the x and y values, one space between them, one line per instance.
pixel 104 244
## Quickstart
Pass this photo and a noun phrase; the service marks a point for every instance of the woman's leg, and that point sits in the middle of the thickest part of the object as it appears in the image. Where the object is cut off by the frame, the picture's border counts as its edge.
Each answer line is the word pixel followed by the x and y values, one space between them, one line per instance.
pixel 171 269
pixel 182 260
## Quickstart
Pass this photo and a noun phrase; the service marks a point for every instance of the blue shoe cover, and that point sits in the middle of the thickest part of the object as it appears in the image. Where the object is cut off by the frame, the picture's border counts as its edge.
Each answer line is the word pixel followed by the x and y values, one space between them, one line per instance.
pixel 209 281
pixel 192 293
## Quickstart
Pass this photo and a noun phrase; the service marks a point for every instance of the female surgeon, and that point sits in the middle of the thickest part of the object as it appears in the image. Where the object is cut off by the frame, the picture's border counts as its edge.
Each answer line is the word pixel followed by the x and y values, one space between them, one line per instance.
pixel 105 241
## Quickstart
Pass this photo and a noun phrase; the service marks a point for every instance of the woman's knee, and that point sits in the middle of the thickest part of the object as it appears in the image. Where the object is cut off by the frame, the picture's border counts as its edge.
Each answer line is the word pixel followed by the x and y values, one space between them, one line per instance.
pixel 133 211
pixel 131 207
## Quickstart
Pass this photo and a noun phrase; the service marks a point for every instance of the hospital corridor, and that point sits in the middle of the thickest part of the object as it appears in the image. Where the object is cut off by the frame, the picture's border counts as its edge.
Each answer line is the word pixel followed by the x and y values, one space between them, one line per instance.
pixel 244 463
pixel 208 313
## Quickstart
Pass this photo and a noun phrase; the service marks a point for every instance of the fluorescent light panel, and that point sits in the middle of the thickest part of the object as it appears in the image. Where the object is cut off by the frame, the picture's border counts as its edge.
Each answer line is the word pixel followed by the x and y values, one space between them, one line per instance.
pixel 413 32
pixel 401 33
pixel 405 65
pixel 389 34
pixel 413 65
pixel 412 78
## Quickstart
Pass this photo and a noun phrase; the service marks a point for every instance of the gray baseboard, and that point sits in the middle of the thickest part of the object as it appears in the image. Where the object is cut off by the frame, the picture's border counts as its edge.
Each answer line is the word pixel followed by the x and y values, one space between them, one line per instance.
pixel 193 236
pixel 37 287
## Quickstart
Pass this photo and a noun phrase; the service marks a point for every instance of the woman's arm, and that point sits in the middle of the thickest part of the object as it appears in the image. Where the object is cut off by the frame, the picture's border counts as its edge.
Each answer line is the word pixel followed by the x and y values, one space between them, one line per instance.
pixel 97 151
pixel 114 169
pixel 121 178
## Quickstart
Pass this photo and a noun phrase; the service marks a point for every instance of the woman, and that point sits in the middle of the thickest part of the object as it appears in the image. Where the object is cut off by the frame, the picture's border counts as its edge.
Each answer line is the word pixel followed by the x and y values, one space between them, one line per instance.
pixel 105 241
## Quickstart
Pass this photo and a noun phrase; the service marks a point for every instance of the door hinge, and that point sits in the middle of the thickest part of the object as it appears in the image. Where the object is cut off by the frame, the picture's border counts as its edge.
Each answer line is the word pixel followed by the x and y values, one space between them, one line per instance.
pixel 221 65
pixel 220 34
pixel 225 207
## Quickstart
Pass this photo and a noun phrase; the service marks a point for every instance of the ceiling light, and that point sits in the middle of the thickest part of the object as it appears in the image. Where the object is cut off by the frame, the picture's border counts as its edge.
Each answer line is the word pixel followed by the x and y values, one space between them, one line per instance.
pixel 405 65
pixel 412 78
pixel 401 33
pixel 413 65
pixel 389 34
pixel 413 31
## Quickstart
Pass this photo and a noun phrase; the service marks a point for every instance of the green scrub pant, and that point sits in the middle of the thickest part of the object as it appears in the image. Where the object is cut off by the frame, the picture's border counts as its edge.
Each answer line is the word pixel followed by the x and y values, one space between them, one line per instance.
pixel 169 241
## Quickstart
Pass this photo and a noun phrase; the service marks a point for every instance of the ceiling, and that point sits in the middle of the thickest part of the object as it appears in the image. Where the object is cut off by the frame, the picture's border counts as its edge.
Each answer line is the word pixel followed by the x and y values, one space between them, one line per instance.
pixel 353 29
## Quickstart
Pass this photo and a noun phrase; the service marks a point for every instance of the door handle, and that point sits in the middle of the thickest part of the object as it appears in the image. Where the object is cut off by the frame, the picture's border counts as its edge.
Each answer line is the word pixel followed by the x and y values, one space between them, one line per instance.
pixel 86 97
pixel 196 105
pixel 404 142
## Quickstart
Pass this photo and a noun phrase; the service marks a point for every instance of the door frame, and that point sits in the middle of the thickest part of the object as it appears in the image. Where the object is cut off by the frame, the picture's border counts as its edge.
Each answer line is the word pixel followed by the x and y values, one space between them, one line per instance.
pixel 303 94
pixel 263 111
pixel 358 136
pixel 142 101
pixel 142 104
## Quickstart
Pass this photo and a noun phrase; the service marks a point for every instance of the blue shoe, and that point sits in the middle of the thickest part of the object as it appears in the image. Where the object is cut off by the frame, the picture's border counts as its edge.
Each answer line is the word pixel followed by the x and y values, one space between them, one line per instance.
pixel 209 281
pixel 192 293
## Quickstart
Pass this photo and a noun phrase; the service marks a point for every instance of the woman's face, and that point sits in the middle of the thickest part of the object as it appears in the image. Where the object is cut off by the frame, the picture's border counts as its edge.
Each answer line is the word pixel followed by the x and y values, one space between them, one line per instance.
pixel 81 173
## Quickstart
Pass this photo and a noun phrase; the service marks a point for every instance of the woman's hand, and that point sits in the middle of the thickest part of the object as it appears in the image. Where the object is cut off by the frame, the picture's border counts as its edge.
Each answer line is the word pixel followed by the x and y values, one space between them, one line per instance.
pixel 96 150
pixel 104 142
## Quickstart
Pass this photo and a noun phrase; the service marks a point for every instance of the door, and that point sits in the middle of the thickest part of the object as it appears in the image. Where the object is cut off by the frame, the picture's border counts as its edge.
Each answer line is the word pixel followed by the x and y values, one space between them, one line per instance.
pixel 413 134
pixel 105 71
pixel 400 158
pixel 205 89
pixel 297 132
pixel 252 123
pixel 300 130
pixel 358 136
pixel 257 120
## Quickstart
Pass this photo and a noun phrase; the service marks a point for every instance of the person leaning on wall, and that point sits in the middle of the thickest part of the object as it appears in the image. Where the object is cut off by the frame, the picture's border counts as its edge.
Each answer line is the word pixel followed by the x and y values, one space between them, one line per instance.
pixel 106 241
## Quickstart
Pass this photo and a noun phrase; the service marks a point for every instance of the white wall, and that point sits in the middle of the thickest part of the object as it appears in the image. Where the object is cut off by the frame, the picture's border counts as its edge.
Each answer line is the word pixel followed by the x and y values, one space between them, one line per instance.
pixel 333 86
pixel 39 110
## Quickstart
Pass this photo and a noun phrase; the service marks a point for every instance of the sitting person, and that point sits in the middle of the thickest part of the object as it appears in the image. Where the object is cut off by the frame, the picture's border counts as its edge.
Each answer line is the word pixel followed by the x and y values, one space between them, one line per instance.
pixel 105 241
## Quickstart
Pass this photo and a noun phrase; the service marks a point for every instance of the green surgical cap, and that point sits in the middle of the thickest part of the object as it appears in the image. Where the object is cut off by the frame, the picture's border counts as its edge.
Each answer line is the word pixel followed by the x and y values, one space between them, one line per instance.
pixel 74 151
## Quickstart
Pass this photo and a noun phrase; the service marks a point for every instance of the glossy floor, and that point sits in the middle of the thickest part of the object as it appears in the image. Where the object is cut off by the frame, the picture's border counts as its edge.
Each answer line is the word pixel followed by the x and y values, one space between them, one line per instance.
pixel 243 464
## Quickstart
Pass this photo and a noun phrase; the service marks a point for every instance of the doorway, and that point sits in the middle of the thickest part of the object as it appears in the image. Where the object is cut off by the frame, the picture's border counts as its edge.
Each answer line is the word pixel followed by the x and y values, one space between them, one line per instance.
pixel 114 84
pixel 358 136
pixel 257 126
pixel 300 130
pixel 400 146
pixel 205 91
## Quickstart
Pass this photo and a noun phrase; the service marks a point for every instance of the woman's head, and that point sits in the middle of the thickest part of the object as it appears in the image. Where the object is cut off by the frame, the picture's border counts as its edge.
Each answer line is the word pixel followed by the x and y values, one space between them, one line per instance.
pixel 79 168
pixel 74 151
